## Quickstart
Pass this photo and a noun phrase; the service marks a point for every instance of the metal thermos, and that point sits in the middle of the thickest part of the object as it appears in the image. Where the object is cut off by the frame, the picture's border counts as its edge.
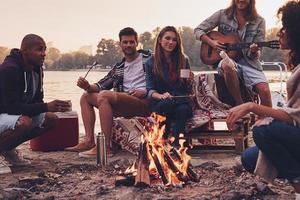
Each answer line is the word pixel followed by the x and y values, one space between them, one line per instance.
pixel 101 150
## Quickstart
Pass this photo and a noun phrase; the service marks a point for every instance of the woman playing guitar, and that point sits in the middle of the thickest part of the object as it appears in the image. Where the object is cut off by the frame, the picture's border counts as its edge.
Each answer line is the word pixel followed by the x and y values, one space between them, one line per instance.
pixel 239 18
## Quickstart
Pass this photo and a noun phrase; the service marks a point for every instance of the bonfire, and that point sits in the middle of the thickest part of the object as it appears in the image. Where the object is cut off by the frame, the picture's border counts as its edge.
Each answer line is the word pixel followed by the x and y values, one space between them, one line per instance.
pixel 158 161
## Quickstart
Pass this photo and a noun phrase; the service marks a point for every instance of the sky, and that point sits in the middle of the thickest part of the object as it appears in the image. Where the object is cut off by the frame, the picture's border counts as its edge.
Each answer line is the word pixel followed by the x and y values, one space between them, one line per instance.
pixel 70 24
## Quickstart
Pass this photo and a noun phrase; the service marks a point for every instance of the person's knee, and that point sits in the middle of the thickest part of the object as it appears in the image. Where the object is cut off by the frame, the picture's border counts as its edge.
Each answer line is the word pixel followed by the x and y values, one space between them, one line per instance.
pixel 51 120
pixel 104 96
pixel 249 159
pixel 227 69
pixel 85 97
pixel 24 124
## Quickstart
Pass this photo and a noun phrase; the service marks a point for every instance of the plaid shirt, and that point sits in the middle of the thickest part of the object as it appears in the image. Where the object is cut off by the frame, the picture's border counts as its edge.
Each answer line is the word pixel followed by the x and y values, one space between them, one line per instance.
pixel 114 78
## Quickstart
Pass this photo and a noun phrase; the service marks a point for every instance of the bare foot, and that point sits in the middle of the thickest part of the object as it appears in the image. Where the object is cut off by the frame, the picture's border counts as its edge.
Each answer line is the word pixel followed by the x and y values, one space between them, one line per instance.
pixel 81 146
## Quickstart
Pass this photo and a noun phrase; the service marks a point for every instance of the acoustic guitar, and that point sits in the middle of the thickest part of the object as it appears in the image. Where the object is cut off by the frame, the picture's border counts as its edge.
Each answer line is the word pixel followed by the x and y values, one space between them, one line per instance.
pixel 233 47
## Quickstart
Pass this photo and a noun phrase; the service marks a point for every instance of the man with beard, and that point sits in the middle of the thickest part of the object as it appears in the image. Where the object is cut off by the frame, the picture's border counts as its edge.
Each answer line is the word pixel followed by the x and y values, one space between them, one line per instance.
pixel 127 78
pixel 23 114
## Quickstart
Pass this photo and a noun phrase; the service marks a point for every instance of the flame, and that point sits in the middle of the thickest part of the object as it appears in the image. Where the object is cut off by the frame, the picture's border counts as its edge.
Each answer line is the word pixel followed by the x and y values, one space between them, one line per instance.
pixel 131 169
pixel 158 147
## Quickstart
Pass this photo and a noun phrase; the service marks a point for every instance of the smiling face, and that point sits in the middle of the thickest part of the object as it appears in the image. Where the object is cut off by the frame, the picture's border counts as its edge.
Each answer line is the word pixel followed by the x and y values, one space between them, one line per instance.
pixel 168 41
pixel 242 4
pixel 128 44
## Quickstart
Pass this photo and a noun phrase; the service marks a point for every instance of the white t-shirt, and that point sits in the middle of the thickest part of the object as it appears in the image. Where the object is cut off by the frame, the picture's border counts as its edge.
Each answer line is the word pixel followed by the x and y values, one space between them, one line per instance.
pixel 134 75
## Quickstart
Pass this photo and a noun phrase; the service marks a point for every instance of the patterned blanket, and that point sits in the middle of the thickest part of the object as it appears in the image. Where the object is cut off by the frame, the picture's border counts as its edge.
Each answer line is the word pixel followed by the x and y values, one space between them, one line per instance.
pixel 127 132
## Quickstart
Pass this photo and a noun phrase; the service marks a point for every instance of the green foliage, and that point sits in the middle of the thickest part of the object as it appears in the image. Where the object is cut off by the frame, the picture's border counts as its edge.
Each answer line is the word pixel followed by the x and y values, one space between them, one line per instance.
pixel 109 52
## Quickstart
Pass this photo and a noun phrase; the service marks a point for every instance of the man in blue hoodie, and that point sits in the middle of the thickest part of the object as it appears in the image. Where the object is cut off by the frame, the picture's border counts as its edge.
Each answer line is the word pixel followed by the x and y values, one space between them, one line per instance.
pixel 23 114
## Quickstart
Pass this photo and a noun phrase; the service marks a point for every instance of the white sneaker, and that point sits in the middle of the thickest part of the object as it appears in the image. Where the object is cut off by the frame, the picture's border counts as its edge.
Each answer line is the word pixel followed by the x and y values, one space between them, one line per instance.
pixel 14 158
pixel 4 168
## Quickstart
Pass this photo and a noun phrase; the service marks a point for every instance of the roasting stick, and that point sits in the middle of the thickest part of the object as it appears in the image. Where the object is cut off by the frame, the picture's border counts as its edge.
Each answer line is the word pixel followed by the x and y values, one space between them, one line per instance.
pixel 91 67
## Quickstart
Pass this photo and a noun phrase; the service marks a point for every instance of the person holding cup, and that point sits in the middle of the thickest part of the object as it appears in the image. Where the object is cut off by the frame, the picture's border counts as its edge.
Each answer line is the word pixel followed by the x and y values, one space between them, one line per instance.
pixel 168 81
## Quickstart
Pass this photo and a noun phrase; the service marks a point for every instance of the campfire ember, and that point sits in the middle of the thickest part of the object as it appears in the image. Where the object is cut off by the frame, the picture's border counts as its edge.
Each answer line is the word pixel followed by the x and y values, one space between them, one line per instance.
pixel 158 161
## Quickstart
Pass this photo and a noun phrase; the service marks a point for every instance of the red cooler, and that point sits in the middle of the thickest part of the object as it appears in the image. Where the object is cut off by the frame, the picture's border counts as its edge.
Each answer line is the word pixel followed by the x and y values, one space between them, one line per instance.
pixel 65 134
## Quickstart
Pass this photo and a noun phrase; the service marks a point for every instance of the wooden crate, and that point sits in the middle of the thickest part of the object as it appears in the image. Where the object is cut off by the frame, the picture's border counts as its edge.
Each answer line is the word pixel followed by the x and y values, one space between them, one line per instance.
pixel 239 135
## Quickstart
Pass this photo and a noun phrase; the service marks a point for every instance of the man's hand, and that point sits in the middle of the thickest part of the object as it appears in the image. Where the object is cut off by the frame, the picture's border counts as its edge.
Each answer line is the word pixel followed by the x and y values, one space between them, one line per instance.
pixel 58 106
pixel 138 93
pixel 83 83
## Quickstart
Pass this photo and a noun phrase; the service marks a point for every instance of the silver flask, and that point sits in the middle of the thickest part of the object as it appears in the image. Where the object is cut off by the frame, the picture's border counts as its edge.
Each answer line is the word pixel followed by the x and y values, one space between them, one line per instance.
pixel 101 150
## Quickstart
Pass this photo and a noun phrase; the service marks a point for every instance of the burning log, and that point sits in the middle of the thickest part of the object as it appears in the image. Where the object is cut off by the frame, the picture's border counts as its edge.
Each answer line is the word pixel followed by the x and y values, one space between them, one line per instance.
pixel 192 175
pixel 142 178
pixel 159 167
pixel 174 168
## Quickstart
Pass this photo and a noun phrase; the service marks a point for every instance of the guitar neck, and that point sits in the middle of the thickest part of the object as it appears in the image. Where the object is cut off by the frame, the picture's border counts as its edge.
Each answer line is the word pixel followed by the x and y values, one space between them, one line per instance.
pixel 239 46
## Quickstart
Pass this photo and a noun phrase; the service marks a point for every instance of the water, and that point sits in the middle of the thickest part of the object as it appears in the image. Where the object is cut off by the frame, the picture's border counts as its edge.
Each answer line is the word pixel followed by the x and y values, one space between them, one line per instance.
pixel 62 85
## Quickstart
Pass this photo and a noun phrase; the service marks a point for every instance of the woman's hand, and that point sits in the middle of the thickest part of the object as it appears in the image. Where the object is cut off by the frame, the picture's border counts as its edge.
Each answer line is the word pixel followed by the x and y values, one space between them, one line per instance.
pixel 165 95
pixel 254 50
pixel 237 113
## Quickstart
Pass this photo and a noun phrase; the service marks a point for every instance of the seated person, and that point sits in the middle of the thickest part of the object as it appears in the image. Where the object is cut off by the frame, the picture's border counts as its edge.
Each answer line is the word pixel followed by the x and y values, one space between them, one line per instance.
pixel 164 82
pixel 127 100
pixel 23 114
pixel 240 17
pixel 277 138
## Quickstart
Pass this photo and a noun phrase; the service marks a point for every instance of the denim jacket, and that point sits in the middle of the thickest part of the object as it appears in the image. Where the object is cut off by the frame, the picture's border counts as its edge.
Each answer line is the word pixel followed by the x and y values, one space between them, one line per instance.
pixel 255 32
pixel 154 84
pixel 114 78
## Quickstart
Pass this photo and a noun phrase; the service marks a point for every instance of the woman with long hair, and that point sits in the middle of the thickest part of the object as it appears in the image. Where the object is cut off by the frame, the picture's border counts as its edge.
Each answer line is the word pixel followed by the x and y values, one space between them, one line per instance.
pixel 277 137
pixel 164 83
pixel 239 19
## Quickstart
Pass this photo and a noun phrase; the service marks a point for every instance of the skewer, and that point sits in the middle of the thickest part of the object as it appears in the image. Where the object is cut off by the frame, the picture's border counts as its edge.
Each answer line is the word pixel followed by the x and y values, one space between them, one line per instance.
pixel 94 64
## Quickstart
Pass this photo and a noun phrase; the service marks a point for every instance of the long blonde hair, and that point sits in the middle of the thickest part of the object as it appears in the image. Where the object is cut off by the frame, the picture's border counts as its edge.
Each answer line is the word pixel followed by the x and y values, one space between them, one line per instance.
pixel 177 56
pixel 250 14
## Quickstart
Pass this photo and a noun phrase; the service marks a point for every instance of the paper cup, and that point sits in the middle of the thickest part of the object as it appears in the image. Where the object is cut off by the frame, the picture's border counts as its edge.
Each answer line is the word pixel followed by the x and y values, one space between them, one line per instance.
pixel 185 73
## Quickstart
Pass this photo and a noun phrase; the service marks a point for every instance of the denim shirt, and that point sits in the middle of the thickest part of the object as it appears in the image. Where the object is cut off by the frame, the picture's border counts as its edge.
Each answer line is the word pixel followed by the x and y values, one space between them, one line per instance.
pixel 153 84
pixel 255 32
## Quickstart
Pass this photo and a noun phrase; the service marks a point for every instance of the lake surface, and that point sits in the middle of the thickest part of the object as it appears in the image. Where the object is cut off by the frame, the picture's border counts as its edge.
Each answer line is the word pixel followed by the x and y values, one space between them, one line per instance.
pixel 62 85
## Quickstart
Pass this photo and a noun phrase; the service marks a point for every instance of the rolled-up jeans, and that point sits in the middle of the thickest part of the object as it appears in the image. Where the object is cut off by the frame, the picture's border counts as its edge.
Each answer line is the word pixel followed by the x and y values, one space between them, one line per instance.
pixel 280 142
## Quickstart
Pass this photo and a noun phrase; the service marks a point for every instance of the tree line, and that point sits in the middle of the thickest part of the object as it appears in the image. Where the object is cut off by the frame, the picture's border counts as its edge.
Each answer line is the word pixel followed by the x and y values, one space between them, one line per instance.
pixel 108 52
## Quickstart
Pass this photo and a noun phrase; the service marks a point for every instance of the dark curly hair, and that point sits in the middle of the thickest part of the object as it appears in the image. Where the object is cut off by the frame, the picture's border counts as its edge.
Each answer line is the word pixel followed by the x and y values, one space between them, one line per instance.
pixel 290 17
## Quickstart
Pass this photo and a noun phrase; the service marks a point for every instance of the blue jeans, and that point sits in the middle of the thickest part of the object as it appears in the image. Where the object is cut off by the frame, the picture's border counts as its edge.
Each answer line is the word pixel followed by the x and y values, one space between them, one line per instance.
pixel 280 142
pixel 177 112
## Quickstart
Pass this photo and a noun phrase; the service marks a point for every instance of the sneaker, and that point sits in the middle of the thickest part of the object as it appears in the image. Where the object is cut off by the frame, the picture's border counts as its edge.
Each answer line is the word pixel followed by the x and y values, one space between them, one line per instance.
pixel 4 167
pixel 14 158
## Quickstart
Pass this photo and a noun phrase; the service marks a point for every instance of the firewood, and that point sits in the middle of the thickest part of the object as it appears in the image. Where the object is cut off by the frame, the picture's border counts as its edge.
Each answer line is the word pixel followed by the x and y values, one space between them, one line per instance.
pixel 159 167
pixel 142 178
pixel 192 175
pixel 174 168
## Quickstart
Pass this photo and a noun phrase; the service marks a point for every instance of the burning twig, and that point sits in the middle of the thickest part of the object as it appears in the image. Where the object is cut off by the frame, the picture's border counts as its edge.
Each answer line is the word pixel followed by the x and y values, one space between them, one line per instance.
pixel 142 178
pixel 193 176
